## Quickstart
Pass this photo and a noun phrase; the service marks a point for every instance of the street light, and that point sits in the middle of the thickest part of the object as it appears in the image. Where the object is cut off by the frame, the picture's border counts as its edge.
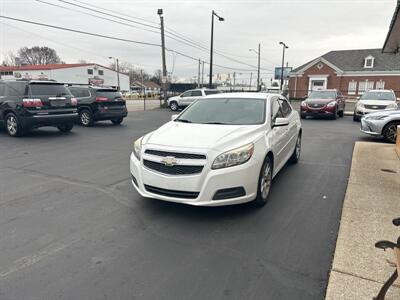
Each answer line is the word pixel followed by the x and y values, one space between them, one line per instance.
pixel 212 43
pixel 284 46
pixel 117 65
pixel 258 68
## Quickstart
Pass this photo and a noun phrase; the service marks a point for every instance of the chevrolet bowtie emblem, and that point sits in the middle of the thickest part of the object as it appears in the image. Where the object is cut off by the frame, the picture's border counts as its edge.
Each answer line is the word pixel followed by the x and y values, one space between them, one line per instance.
pixel 169 161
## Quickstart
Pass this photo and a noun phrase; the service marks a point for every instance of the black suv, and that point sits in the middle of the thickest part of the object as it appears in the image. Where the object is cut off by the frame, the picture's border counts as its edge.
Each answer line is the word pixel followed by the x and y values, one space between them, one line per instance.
pixel 27 104
pixel 98 104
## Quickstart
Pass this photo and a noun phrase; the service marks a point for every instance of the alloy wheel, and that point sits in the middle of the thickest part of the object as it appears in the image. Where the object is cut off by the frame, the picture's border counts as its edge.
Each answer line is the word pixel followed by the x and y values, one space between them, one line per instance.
pixel 265 183
pixel 85 118
pixel 391 133
pixel 12 125
pixel 174 106
pixel 298 147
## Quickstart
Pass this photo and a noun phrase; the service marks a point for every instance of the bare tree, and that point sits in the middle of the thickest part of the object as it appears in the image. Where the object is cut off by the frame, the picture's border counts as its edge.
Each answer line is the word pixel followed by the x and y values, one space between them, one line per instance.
pixel 135 74
pixel 9 59
pixel 157 77
pixel 38 55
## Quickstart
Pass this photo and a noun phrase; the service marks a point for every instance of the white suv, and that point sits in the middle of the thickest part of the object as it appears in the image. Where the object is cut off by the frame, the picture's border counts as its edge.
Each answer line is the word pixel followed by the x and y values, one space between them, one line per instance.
pixel 189 97
pixel 373 101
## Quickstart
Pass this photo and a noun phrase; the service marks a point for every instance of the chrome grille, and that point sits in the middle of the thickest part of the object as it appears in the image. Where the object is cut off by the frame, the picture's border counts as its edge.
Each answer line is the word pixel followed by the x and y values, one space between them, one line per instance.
pixel 375 106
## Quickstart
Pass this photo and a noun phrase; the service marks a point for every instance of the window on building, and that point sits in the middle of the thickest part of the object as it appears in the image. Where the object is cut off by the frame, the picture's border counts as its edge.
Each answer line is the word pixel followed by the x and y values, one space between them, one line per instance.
pixel 352 87
pixel 362 86
pixel 5 73
pixel 90 71
pixel 369 62
pixel 370 85
pixel 380 85
pixel 101 72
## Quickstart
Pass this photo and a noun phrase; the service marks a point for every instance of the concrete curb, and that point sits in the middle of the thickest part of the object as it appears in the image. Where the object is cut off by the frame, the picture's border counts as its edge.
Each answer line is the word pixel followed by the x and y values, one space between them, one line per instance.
pixel 371 202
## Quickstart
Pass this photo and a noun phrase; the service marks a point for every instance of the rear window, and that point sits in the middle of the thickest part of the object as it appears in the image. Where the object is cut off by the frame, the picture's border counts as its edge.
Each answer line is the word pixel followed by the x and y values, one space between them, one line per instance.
pixel 79 92
pixel 212 92
pixel 109 93
pixel 46 89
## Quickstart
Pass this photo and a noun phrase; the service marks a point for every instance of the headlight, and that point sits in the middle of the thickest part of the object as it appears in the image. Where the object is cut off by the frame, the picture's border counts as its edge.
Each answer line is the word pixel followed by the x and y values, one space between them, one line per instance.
pixel 360 105
pixel 233 157
pixel 380 117
pixel 137 147
pixel 303 103
pixel 393 105
pixel 331 104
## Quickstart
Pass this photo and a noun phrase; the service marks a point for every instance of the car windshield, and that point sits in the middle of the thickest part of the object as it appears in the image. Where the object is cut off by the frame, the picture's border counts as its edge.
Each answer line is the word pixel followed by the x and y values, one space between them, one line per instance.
pixel 322 95
pixel 226 111
pixel 212 92
pixel 48 89
pixel 378 96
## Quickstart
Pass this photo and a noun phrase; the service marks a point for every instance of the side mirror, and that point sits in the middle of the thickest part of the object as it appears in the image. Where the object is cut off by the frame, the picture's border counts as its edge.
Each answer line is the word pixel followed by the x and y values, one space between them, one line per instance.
pixel 173 117
pixel 279 122
pixel 398 99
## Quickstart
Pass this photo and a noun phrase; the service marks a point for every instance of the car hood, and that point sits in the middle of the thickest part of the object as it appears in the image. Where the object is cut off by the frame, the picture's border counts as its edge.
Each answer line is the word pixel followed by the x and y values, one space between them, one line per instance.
pixel 203 136
pixel 319 101
pixel 386 113
pixel 376 102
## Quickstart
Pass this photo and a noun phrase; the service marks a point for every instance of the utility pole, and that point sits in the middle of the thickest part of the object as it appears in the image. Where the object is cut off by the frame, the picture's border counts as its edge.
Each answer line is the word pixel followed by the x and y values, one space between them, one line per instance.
pixel 144 90
pixel 284 46
pixel 198 75
pixel 251 77
pixel 234 80
pixel 212 44
pixel 202 73
pixel 164 66
pixel 258 72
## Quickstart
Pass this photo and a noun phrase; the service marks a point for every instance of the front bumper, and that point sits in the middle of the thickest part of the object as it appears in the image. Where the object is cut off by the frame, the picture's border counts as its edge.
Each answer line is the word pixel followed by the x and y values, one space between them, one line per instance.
pixel 361 111
pixel 372 127
pixel 309 111
pixel 206 184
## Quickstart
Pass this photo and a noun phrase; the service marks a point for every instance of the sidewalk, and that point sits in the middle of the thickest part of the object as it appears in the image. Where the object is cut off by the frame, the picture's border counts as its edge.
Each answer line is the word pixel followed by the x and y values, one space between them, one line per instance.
pixel 372 200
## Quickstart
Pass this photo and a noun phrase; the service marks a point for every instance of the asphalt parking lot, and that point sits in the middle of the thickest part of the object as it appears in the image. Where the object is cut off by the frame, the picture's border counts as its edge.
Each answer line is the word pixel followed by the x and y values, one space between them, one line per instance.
pixel 72 226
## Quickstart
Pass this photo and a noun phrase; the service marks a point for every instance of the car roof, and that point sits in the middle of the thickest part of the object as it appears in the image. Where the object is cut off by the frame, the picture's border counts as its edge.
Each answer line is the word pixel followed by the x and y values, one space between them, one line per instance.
pixel 384 91
pixel 247 95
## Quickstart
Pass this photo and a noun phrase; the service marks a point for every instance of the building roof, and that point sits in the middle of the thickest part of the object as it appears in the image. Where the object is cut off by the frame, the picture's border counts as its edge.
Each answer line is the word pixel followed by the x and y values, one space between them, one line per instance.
pixel 392 42
pixel 353 60
pixel 49 67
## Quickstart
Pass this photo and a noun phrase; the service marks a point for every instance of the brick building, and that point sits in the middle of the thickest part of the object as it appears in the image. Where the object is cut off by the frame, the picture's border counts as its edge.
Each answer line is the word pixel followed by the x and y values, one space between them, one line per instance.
pixel 351 71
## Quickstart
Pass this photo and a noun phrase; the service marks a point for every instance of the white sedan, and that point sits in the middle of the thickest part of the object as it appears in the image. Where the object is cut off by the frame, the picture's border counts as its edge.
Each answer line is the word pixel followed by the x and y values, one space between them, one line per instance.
pixel 224 149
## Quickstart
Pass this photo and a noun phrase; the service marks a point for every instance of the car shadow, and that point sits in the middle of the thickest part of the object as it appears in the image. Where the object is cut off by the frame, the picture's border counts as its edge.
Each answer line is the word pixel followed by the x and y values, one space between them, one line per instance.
pixel 40 132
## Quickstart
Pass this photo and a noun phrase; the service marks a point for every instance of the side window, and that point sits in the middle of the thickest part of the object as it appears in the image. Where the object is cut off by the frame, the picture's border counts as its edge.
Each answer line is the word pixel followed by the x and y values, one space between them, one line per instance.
pixel 187 94
pixel 196 93
pixel 276 111
pixel 15 89
pixel 286 109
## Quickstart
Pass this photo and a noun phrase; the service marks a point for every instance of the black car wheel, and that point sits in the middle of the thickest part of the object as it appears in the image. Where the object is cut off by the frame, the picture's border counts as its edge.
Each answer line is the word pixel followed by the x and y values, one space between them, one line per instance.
pixel 86 117
pixel 335 114
pixel 297 150
pixel 13 125
pixel 389 132
pixel 264 183
pixel 341 113
pixel 117 121
pixel 174 106
pixel 66 127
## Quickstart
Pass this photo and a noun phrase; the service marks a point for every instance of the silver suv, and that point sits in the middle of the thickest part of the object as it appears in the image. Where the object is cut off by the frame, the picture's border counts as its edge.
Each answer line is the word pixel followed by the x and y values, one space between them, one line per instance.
pixel 189 97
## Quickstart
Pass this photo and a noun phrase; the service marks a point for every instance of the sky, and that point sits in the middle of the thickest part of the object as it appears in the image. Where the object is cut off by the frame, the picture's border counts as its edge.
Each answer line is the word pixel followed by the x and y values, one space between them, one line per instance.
pixel 309 27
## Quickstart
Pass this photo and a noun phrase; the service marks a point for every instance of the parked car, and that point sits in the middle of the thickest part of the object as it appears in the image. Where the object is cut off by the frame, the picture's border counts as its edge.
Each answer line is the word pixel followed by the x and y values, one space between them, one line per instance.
pixel 373 101
pixel 382 124
pixel 99 104
pixel 189 97
pixel 223 149
pixel 330 103
pixel 28 104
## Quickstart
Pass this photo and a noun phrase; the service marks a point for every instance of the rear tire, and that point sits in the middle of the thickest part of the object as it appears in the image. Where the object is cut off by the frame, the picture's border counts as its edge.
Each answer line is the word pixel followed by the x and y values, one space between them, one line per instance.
pixel 13 125
pixel 264 183
pixel 389 132
pixel 86 117
pixel 117 121
pixel 174 106
pixel 303 116
pixel 297 151
pixel 335 115
pixel 66 127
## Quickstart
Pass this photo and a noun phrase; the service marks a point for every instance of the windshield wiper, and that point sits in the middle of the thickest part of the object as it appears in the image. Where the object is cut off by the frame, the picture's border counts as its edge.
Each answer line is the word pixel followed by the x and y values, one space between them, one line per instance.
pixel 217 123
pixel 183 121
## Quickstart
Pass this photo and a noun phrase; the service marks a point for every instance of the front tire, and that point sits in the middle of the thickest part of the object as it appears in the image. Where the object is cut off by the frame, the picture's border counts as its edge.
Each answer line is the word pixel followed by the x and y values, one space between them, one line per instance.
pixel 117 121
pixel 355 117
pixel 264 183
pixel 174 106
pixel 13 125
pixel 297 151
pixel 341 113
pixel 389 132
pixel 86 118
pixel 66 127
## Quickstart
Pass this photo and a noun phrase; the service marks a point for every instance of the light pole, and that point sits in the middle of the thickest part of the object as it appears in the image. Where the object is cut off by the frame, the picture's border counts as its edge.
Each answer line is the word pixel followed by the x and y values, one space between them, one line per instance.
pixel 258 67
pixel 284 46
pixel 164 66
pixel 117 66
pixel 212 44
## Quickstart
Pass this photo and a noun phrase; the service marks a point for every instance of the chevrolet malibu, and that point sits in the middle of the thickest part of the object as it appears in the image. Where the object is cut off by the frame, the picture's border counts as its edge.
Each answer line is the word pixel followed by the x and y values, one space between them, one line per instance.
pixel 224 149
